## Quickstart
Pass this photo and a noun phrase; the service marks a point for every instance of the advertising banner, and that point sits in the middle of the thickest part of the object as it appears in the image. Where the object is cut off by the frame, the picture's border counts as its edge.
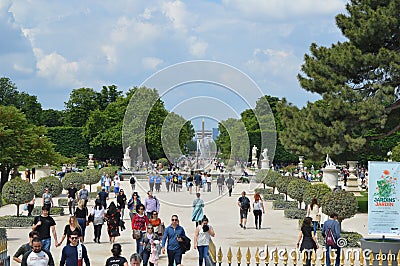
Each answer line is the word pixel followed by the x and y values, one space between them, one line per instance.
pixel 383 198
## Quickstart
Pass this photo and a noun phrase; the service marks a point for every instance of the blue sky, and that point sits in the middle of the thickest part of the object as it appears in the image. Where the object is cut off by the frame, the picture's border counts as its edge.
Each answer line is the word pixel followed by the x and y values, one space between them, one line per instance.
pixel 51 47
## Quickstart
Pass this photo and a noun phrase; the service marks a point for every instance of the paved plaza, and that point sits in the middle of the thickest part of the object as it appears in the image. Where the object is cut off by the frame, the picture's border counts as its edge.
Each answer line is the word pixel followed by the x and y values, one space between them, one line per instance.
pixel 277 231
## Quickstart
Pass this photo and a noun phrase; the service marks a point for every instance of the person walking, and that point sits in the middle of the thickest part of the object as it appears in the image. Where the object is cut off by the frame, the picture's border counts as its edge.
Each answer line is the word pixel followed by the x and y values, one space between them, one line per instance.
pixel 117 184
pixel 230 183
pixel 83 194
pixel 313 212
pixel 113 217
pixel 202 238
pixel 139 223
pixel 157 224
pixel 333 226
pixel 158 182
pixel 25 247
pixel 37 255
pixel 72 228
pixel 135 259
pixel 258 210
pixel 197 213
pixel 107 183
pixel 81 214
pixel 116 259
pixel 209 181
pixel 148 238
pixel 72 196
pixel 151 178
pixel 307 239
pixel 121 202
pixel 75 253
pixel 31 205
pixel 98 213
pixel 197 181
pixel 151 204
pixel 103 197
pixel 220 184
pixel 244 205
pixel 132 203
pixel 43 224
pixel 173 234
pixel 132 181
pixel 47 199
pixel 168 178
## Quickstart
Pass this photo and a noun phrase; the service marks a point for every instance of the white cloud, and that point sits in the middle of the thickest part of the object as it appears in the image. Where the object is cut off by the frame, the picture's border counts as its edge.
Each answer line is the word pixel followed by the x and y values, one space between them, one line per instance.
pixel 176 12
pixel 197 47
pixel 151 63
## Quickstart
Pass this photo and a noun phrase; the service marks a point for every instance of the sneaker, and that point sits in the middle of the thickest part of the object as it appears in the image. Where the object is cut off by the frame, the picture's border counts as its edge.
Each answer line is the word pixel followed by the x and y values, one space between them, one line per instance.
pixel 256 227
pixel 241 225
pixel 244 227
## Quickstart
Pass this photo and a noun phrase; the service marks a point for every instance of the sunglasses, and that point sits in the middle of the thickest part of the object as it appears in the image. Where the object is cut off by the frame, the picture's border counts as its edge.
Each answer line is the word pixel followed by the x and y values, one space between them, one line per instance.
pixel 174 219
pixel 74 237
pixel 149 227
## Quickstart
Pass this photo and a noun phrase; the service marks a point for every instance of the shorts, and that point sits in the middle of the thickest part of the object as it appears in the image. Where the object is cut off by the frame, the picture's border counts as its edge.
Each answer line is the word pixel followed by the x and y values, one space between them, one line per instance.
pixel 243 213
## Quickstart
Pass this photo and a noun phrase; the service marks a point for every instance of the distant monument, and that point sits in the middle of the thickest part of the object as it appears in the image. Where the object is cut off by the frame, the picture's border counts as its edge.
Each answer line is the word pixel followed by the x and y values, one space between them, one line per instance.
pixel 127 162
pixel 90 162
pixel 330 173
pixel 265 160
pixel 254 161
pixel 352 184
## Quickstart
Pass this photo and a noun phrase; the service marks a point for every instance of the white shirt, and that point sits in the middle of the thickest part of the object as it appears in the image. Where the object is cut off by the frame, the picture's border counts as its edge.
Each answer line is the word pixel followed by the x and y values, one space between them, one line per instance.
pixel 37 259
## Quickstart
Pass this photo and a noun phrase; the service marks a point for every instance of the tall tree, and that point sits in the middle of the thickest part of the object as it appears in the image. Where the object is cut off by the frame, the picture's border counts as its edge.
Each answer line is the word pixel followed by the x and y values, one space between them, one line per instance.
pixel 358 80
pixel 21 143
pixel 52 118
pixel 81 102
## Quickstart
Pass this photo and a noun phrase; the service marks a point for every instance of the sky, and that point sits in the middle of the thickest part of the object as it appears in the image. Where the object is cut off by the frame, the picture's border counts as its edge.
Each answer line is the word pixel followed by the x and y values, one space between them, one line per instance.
pixel 49 48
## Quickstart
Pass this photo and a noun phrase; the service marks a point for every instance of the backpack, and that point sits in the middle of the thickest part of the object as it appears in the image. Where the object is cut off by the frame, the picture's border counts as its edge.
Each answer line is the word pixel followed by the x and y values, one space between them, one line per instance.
pixel 245 203
pixel 329 239
pixel 132 180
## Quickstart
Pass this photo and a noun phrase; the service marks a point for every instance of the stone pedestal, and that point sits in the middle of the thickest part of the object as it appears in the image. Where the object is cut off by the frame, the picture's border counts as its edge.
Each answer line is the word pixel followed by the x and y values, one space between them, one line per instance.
pixel 352 184
pixel 330 176
pixel 91 162
pixel 264 164
pixel 126 163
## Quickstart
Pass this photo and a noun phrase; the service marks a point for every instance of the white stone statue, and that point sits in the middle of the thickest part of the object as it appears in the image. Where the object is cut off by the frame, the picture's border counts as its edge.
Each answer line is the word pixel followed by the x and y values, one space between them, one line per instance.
pixel 329 161
pixel 127 151
pixel 254 153
pixel 265 154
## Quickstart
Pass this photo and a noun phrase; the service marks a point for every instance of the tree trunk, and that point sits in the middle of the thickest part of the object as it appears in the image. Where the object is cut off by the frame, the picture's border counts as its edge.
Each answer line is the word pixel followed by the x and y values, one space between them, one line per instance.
pixel 4 178
pixel 17 210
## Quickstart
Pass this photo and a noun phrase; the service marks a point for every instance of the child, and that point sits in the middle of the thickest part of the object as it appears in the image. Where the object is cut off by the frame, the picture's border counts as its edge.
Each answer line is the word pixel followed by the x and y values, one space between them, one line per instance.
pixel 155 252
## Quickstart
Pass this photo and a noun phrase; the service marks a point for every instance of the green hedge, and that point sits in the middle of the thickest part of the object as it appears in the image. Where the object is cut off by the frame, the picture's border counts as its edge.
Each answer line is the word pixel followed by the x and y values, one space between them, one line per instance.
pixel 362 202
pixel 3 233
pixel 53 211
pixel 295 213
pixel 63 202
pixel 273 196
pixel 52 182
pixel 68 140
pixel 282 204
pixel 263 190
pixel 16 221
pixel 73 177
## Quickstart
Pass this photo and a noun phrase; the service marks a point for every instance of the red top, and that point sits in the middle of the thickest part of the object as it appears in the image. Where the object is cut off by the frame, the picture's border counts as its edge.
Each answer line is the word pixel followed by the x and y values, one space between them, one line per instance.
pixel 140 222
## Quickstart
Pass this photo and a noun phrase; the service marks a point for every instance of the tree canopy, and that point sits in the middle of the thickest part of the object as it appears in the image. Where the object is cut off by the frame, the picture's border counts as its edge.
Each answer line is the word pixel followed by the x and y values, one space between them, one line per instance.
pixel 358 81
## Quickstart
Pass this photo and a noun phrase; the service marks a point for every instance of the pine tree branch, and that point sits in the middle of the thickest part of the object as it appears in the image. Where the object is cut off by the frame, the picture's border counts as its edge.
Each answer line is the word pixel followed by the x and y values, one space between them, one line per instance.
pixel 391 132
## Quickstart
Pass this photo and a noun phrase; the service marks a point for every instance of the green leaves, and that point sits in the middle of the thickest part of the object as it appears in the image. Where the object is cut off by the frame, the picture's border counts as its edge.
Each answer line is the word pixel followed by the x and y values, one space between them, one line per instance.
pixel 17 191
pixel 341 202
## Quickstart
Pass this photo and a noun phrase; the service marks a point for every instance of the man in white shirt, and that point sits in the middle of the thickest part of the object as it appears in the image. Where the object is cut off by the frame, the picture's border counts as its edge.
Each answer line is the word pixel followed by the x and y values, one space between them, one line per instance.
pixel 37 256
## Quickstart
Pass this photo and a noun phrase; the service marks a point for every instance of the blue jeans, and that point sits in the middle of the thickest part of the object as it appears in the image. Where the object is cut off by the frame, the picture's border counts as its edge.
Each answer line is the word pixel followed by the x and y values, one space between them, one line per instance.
pixel 139 246
pixel 203 253
pixel 328 261
pixel 46 243
pixel 82 224
pixel 174 255
pixel 315 224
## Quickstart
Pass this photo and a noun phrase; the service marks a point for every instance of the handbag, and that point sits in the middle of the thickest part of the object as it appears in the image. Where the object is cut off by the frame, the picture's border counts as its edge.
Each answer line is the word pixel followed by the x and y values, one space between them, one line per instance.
pixel 160 229
pixel 136 234
pixel 329 239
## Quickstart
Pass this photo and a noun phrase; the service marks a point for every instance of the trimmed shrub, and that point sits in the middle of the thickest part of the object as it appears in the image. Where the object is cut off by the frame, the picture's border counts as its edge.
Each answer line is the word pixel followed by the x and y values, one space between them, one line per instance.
pixel 271 178
pixel 110 171
pixel 75 178
pixel 273 197
pixel 163 161
pixel 295 213
pixel 63 202
pixel 261 176
pixel 17 192
pixel 263 190
pixel 296 189
pixel 342 202
pixel 52 182
pixel 90 177
pixel 16 221
pixel 53 211
pixel 282 184
pixel 283 204
pixel 317 191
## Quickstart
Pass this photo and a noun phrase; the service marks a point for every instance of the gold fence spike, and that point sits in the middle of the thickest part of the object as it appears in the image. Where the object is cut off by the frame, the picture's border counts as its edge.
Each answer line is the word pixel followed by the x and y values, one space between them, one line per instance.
pixel 398 258
pixel 285 257
pixel 341 257
pixel 352 258
pixel 267 258
pixel 371 259
pixel 257 257
pixel 230 255
pixel 322 260
pixel 362 258
pixel 313 257
pixel 275 258
pixel 304 257
pixel 380 261
pixel 248 256
pixel 332 259
pixel 219 256
pixel 294 257
pixel 239 256
pixel 389 258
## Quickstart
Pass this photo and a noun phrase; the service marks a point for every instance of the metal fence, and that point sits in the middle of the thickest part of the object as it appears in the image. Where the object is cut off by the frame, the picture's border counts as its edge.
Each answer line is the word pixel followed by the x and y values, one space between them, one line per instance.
pixel 4 258
pixel 274 257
